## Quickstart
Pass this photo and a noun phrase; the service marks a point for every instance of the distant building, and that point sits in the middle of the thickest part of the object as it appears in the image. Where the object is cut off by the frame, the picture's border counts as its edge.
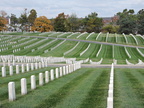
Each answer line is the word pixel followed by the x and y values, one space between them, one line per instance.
pixel 109 20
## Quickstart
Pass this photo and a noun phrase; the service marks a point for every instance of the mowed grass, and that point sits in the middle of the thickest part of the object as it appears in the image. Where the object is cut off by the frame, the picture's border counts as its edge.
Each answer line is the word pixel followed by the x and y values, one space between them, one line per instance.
pixel 129 88
pixel 84 88
pixel 106 52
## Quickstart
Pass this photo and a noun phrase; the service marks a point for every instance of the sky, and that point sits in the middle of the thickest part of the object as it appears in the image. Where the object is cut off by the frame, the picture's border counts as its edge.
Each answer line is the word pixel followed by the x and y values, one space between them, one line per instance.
pixel 51 8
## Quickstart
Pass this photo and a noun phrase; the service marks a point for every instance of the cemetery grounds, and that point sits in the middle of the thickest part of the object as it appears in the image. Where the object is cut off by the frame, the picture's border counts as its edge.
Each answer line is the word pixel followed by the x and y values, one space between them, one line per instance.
pixel 86 87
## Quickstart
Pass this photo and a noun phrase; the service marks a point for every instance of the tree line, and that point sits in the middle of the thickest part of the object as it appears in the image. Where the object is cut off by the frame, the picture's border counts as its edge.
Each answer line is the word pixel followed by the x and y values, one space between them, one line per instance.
pixel 126 22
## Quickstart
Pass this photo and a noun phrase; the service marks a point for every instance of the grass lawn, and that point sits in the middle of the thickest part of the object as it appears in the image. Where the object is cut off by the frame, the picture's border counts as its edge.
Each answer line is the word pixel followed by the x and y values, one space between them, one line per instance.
pixel 85 88
pixel 129 88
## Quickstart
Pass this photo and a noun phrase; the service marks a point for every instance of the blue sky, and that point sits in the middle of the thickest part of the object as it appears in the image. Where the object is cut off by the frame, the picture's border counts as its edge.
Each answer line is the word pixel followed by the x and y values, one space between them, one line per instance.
pixel 51 8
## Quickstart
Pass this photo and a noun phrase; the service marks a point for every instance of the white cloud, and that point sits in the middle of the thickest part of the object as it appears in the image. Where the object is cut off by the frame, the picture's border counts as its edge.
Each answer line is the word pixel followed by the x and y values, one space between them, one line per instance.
pixel 51 8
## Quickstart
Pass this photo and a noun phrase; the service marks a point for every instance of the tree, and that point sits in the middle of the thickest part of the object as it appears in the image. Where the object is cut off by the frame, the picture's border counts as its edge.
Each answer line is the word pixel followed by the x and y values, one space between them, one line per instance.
pixel 73 23
pixel 92 23
pixel 32 16
pixel 3 20
pixel 14 19
pixel 42 24
pixel 110 28
pixel 3 23
pixel 24 20
pixel 127 21
pixel 140 16
pixel 60 23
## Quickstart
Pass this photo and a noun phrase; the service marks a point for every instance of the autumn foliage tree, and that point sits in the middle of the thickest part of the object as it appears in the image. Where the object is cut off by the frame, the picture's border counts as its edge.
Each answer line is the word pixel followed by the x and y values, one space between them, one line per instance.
pixel 3 20
pixel 3 23
pixel 42 24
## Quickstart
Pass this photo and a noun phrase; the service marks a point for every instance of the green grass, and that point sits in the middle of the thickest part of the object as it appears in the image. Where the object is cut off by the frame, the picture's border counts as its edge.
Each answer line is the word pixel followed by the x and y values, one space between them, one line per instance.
pixel 76 52
pixel 102 38
pixel 131 40
pixel 61 92
pixel 129 88
pixel 92 51
pixel 16 78
pixel 121 39
pixel 111 38
pixel 58 52
pixel 84 88
pixel 106 52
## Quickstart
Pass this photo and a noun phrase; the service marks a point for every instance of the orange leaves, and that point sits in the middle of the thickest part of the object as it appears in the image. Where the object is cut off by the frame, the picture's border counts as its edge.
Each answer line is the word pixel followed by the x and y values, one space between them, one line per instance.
pixel 42 24
pixel 3 23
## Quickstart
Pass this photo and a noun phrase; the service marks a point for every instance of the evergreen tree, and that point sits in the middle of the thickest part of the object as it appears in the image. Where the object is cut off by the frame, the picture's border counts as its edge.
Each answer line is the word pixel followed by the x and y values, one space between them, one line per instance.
pixel 127 21
pixel 60 23
pixel 92 23
pixel 140 16
pixel 32 16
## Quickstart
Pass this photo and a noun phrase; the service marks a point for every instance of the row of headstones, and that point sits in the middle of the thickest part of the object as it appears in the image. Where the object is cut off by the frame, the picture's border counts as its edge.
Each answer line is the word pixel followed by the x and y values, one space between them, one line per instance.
pixel 107 36
pixel 26 42
pixel 99 50
pixel 29 58
pixel 90 35
pixel 31 45
pixel 81 34
pixel 128 54
pixel 134 38
pixel 4 45
pixel 13 63
pixel 57 45
pixel 125 38
pixel 50 60
pixel 10 40
pixel 4 37
pixel 111 88
pixel 45 45
pixel 140 52
pixel 3 49
pixel 59 72
pixel 72 34
pixel 99 62
pixel 85 50
pixel 16 50
pixel 71 49
pixel 29 66
pixel 98 35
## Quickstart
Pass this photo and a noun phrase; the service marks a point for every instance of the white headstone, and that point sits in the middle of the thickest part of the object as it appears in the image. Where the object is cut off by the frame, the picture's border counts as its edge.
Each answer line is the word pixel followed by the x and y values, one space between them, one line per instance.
pixel 41 79
pixel 64 70
pixel 11 70
pixel 36 66
pixel 3 72
pixel 46 76
pixel 33 82
pixel 110 93
pixel 32 66
pixel 109 102
pixel 67 70
pixel 23 86
pixel 17 69
pixel 52 74
pixel 60 71
pixel 40 65
pixel 22 68
pixel 27 67
pixel 57 73
pixel 11 91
